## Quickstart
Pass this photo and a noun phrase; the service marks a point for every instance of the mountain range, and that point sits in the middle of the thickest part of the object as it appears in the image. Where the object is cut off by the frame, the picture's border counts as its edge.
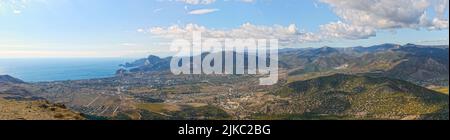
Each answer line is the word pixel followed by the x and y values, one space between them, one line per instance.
pixel 423 65
pixel 387 81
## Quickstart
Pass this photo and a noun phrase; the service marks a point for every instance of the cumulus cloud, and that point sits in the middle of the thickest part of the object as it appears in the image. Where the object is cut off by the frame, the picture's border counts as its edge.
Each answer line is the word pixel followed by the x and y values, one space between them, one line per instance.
pixel 390 14
pixel 438 24
pixel 287 35
pixel 345 31
pixel 360 19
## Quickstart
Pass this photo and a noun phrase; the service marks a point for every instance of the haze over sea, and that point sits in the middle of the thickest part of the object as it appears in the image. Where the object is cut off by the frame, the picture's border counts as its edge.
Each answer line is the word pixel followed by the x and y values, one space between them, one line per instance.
pixel 58 69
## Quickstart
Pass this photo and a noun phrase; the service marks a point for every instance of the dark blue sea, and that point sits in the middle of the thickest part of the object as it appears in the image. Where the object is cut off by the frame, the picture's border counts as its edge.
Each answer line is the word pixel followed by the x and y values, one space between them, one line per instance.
pixel 57 69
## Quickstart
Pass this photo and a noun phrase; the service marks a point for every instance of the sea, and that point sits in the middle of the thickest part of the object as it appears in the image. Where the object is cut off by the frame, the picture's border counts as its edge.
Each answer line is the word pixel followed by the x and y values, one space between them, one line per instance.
pixel 60 69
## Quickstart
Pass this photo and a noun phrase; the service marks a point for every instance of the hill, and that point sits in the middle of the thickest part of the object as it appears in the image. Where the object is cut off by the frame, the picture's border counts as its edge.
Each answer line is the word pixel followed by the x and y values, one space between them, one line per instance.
pixel 9 79
pixel 359 97
pixel 421 65
pixel 35 110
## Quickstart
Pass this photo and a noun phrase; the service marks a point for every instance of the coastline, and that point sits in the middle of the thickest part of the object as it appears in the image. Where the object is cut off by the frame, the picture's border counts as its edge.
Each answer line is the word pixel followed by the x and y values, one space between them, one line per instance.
pixel 60 69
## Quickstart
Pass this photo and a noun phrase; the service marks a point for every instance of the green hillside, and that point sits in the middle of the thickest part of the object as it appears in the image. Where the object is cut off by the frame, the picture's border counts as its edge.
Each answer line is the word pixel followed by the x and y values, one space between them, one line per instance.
pixel 361 97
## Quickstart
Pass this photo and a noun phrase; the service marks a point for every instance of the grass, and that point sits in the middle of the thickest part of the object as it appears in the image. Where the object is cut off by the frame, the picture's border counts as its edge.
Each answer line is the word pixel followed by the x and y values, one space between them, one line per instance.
pixel 35 110
pixel 159 111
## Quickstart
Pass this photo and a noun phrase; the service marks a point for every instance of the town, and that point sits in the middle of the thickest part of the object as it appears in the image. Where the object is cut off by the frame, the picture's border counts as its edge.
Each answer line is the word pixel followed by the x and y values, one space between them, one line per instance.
pixel 236 57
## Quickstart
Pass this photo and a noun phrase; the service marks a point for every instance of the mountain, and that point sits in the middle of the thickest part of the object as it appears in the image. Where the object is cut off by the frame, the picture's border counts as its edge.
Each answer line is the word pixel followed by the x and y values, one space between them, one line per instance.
pixel 18 101
pixel 358 97
pixel 13 87
pixel 380 82
pixel 35 110
pixel 422 65
pixel 375 48
pixel 10 79
pixel 150 64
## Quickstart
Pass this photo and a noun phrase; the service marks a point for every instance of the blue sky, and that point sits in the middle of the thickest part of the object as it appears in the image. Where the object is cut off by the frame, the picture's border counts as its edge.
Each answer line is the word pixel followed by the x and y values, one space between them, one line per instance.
pixel 127 28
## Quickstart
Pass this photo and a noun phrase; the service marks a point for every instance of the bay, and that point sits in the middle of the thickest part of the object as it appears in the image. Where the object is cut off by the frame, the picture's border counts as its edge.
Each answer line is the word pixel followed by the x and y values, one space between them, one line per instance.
pixel 59 69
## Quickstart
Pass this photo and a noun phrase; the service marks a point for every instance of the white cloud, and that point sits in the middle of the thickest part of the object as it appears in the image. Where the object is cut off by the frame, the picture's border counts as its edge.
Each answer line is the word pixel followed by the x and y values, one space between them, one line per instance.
pixel 140 30
pixel 287 35
pixel 248 1
pixel 390 14
pixel 361 19
pixel 17 11
pixel 441 7
pixel 438 24
pixel 202 11
pixel 345 31
pixel 15 6
pixel 18 6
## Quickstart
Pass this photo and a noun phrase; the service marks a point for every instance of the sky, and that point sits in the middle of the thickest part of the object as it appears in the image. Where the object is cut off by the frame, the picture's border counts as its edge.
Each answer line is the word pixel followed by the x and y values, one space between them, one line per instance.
pixel 137 28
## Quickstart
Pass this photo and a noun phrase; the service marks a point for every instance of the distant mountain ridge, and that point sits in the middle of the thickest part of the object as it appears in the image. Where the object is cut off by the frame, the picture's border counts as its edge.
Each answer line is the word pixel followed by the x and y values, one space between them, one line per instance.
pixel 420 64
pixel 381 82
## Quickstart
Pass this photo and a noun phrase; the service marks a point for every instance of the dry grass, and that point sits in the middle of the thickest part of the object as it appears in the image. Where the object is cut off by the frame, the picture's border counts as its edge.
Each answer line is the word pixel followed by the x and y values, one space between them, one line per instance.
pixel 34 110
